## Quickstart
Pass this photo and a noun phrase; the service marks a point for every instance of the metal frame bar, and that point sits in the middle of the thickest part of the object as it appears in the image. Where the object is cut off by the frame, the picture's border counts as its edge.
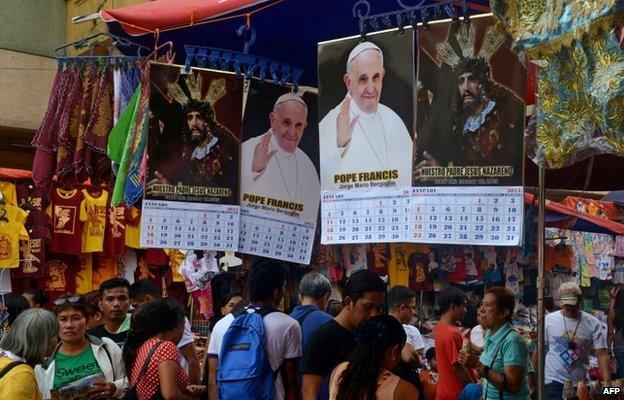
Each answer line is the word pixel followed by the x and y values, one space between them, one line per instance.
pixel 408 15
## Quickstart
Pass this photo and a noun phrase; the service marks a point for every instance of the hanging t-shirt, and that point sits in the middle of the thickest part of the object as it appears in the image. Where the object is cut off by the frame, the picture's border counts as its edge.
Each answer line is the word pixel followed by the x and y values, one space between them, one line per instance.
pixel 104 268
pixel 115 236
pixel 176 258
pixel 11 232
pixel 28 193
pixel 8 192
pixel 418 261
pixel 33 250
pixel 67 216
pixel 377 257
pixel 94 217
pixel 398 269
pixel 60 276
pixel 71 368
pixel 84 273
pixel 459 274
pixel 156 257
pixel 128 267
pixel 133 227
pixel 353 258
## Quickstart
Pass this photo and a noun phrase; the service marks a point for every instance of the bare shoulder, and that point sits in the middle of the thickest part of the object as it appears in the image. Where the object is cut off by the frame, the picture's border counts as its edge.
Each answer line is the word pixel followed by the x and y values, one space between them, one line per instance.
pixel 405 390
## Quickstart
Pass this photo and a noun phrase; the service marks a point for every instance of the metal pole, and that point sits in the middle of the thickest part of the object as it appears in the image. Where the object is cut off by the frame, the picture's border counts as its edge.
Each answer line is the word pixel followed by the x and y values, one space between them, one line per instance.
pixel 541 389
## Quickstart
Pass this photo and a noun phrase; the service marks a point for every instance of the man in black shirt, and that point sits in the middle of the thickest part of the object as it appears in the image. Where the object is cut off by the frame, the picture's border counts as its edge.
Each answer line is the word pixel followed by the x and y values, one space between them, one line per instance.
pixel 114 303
pixel 332 343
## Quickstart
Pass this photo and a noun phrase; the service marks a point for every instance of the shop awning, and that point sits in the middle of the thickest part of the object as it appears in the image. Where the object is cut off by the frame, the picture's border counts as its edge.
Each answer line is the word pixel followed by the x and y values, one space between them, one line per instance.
pixel 582 221
pixel 287 30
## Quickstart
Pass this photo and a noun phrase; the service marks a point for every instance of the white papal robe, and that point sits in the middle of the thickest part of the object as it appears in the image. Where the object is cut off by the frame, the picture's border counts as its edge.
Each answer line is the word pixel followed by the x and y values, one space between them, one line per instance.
pixel 287 177
pixel 380 142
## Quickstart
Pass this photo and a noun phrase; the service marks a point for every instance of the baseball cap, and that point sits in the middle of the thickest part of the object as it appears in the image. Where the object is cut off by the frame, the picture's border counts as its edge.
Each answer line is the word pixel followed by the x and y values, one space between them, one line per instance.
pixel 569 293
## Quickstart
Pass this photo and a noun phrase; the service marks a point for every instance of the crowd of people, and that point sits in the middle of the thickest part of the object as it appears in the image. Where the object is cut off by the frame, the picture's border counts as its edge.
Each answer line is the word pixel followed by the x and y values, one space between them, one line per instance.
pixel 131 343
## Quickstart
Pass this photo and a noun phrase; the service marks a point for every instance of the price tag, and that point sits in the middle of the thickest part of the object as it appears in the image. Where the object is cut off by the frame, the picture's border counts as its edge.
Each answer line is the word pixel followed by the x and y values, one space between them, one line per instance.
pixel 366 216
pixel 280 237
pixel 178 225
pixel 467 215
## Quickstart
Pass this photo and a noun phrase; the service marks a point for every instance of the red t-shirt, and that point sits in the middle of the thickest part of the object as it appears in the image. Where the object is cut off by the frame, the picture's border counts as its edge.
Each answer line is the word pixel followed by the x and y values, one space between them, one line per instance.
pixel 448 343
pixel 66 222
pixel 149 383
pixel 115 236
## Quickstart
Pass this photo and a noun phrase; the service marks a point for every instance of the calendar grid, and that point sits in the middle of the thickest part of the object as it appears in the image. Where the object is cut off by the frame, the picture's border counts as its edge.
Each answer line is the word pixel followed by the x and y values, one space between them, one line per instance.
pixel 280 236
pixel 178 225
pixel 445 215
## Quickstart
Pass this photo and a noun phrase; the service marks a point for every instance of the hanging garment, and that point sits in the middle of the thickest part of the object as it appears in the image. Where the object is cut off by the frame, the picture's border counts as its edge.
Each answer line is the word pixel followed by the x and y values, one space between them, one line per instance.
pixel 67 216
pixel 581 84
pixel 129 126
pixel 95 211
pixel 135 182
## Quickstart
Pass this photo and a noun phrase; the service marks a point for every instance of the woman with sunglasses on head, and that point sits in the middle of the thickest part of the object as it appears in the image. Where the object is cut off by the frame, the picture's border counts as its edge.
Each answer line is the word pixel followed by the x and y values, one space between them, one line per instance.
pixel 79 355
pixel 31 337
pixel 504 362
pixel 151 355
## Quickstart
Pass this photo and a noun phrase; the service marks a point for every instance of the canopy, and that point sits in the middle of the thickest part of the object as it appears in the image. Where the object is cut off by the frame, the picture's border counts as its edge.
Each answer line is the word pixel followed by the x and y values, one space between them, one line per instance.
pixel 287 30
pixel 584 222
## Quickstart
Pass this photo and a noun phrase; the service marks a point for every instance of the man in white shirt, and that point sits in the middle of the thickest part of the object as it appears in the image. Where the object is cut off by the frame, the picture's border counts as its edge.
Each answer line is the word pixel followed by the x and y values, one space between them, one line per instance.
pixel 273 166
pixel 571 334
pixel 360 134
pixel 282 333
pixel 401 305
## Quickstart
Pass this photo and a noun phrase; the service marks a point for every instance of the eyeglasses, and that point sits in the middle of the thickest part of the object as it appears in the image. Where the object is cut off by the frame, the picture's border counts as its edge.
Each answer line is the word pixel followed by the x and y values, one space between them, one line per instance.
pixel 64 300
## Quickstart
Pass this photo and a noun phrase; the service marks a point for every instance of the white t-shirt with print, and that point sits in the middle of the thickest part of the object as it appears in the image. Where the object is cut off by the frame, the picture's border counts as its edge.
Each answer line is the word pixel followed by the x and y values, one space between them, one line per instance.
pixel 414 338
pixel 563 363
pixel 283 342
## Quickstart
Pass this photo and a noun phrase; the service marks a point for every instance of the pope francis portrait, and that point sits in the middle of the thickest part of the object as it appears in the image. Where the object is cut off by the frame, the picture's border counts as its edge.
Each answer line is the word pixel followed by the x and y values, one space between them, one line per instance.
pixel 274 166
pixel 360 134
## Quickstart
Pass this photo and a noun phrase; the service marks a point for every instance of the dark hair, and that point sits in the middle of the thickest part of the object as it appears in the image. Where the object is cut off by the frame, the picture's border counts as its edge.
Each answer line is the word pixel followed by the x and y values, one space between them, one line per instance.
pixel 450 296
pixel 93 298
pixel 114 283
pixel 504 300
pixel 399 295
pixel 39 296
pixel 362 282
pixel 264 277
pixel 143 287
pixel 373 337
pixel 618 309
pixel 430 353
pixel 82 305
pixel 149 320
pixel 15 305
pixel 229 296
pixel 334 307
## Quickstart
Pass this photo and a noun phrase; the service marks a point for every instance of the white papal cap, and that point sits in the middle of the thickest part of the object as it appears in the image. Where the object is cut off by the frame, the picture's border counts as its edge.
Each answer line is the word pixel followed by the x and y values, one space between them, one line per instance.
pixel 357 50
pixel 290 97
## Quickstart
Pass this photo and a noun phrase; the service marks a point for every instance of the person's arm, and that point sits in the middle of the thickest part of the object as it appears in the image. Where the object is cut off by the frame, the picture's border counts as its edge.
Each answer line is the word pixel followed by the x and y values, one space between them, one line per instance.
pixel 194 370
pixel 311 386
pixel 212 378
pixel 462 373
pixel 405 390
pixel 610 329
pixel 510 380
pixel 600 349
pixel 168 379
pixel 411 356
pixel 604 360
pixel 289 376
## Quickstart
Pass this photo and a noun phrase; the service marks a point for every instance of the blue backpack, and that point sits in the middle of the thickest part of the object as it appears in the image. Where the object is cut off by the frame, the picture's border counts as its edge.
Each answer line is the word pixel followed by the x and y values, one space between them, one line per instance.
pixel 244 371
